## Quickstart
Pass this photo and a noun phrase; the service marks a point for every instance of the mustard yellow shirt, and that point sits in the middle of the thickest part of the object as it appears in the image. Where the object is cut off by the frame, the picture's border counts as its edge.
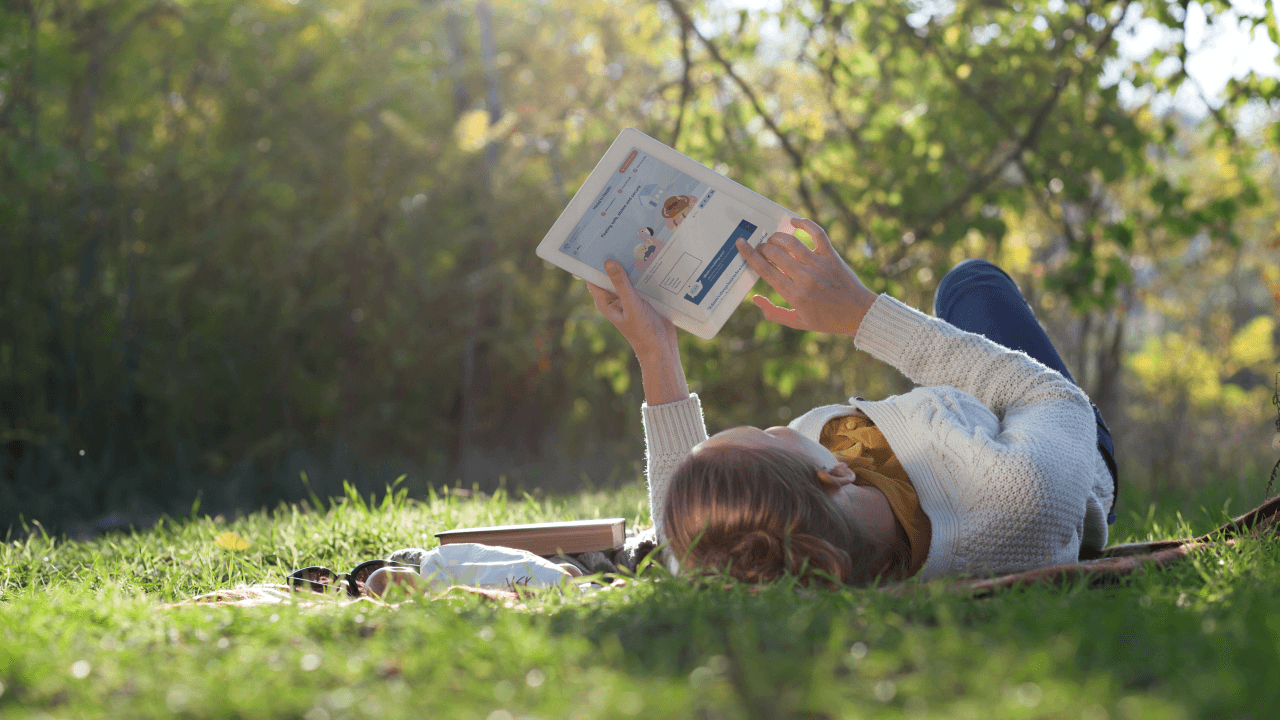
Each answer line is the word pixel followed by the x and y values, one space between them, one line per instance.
pixel 858 443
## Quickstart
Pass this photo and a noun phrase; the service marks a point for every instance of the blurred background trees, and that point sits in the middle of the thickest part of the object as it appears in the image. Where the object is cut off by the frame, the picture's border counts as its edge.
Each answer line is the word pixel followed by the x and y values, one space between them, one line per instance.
pixel 243 241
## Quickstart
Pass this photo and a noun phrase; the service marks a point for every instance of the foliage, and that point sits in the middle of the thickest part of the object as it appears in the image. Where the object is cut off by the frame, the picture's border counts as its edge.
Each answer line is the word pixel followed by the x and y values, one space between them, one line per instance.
pixel 1198 375
pixel 246 228
pixel 1172 363
pixel 926 134
pixel 240 236
pixel 83 636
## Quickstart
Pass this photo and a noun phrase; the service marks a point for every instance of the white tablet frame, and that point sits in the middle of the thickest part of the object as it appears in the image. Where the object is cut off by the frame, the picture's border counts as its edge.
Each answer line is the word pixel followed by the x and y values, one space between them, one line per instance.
pixel 549 248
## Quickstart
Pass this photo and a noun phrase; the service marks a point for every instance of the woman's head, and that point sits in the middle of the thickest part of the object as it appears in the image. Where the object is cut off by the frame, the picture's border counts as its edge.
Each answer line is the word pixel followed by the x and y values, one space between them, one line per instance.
pixel 777 438
pixel 760 507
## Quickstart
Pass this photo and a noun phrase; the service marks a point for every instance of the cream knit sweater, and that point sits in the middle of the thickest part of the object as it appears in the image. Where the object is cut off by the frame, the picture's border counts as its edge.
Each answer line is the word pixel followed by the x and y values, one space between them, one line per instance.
pixel 1002 450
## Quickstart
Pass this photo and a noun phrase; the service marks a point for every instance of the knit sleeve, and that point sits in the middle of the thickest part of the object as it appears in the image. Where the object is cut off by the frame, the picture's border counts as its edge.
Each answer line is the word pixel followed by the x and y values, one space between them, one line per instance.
pixel 670 431
pixel 933 352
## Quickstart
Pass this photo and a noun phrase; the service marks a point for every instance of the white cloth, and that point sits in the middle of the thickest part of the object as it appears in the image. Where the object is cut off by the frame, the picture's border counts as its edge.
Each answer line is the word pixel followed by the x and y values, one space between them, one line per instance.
pixel 1002 450
pixel 488 566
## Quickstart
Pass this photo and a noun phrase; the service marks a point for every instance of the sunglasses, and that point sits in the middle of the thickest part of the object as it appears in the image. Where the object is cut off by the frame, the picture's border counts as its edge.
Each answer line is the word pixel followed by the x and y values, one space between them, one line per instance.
pixel 321 579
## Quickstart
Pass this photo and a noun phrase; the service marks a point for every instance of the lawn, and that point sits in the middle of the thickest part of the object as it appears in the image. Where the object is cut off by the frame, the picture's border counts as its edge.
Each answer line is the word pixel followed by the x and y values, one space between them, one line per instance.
pixel 84 633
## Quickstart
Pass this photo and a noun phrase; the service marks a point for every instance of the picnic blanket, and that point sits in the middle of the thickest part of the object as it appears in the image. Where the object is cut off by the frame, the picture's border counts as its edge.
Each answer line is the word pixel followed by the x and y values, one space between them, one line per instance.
pixel 1109 567
pixel 276 594
pixel 495 573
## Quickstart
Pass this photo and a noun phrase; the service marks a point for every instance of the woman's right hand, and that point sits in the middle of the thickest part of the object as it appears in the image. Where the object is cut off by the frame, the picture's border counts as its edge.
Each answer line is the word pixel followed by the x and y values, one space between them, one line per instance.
pixel 646 329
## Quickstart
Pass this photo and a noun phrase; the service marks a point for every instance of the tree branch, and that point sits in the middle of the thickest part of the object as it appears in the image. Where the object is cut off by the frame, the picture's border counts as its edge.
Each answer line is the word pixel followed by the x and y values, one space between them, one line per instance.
pixel 686 82
pixel 784 139
pixel 1044 206
pixel 1028 139
pixel 980 182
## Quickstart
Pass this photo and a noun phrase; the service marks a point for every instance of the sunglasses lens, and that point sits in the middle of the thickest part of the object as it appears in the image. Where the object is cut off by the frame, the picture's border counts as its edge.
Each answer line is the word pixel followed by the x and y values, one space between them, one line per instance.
pixel 316 579
pixel 361 573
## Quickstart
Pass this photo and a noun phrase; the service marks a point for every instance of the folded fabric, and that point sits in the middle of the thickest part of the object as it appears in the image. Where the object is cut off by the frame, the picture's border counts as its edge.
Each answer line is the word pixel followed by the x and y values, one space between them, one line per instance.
pixel 488 566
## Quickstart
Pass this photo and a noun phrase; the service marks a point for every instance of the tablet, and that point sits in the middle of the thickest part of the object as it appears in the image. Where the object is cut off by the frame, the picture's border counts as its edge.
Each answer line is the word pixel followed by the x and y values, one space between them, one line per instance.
pixel 672 223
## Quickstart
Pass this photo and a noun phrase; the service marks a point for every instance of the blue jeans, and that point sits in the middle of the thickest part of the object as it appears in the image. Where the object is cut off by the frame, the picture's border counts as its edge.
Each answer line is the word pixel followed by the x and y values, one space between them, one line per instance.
pixel 980 298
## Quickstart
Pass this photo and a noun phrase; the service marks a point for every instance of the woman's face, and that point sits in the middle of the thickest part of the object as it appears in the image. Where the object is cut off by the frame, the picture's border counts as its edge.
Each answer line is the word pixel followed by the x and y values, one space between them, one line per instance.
pixel 782 438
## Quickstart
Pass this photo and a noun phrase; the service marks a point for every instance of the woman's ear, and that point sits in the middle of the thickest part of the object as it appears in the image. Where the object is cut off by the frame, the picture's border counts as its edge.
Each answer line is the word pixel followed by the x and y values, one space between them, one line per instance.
pixel 842 473
pixel 835 477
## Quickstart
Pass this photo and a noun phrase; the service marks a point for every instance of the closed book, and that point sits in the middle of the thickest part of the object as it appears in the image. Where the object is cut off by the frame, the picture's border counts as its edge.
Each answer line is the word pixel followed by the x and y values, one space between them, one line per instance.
pixel 574 536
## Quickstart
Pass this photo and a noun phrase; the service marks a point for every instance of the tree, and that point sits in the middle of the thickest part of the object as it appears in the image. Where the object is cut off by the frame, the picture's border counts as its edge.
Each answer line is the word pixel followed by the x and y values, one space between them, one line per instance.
pixel 248 233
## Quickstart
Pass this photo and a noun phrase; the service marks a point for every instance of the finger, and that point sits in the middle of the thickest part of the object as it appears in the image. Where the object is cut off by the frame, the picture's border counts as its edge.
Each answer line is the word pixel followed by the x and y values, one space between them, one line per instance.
pixel 773 313
pixel 762 267
pixel 780 258
pixel 820 239
pixel 792 245
pixel 607 303
pixel 600 295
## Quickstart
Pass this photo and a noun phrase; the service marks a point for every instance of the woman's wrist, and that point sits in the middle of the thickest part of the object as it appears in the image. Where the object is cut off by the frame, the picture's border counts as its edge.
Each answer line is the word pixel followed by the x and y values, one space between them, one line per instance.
pixel 862 305
pixel 658 347
pixel 662 374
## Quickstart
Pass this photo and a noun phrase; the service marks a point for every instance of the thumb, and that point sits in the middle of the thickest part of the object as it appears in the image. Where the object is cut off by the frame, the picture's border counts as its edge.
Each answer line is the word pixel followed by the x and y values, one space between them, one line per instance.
pixel 821 241
pixel 621 282
pixel 773 313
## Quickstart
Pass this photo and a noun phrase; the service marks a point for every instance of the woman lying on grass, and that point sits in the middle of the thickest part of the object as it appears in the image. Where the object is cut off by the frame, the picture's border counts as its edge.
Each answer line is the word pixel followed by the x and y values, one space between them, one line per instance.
pixel 997 463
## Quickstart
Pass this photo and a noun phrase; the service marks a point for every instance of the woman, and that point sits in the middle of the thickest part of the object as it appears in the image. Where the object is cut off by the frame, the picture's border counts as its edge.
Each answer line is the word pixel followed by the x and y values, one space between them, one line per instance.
pixel 997 463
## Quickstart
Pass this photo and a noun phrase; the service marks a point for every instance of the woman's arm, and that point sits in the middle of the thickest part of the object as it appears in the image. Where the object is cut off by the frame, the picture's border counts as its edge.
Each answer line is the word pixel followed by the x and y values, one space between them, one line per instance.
pixel 933 352
pixel 828 297
pixel 672 417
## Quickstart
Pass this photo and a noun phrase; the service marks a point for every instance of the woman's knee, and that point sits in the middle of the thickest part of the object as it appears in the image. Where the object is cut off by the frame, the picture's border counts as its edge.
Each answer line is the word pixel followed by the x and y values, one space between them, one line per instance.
pixel 965 273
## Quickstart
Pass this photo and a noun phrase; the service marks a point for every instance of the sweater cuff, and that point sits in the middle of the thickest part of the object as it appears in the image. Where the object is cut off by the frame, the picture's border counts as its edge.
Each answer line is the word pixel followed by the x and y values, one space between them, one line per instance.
pixel 674 425
pixel 887 328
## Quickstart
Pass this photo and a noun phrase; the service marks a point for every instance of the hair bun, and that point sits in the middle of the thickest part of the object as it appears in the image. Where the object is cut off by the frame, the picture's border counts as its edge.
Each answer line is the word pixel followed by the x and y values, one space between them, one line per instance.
pixel 760 556
pixel 757 554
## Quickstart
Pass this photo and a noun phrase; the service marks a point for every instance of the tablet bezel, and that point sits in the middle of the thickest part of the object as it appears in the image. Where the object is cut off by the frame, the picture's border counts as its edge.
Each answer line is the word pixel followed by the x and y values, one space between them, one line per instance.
pixel 549 248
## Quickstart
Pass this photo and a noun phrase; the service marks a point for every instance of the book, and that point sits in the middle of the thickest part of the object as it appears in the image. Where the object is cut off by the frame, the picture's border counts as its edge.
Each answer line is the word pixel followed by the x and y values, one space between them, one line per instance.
pixel 672 223
pixel 551 538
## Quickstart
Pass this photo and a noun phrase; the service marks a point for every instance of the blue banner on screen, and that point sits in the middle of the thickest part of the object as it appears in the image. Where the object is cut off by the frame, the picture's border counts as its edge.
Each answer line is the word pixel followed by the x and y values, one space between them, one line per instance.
pixel 717 266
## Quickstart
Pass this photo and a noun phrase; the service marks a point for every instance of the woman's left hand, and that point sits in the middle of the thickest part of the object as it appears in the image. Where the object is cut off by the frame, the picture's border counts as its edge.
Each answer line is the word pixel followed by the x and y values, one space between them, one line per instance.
pixel 646 329
pixel 651 334
pixel 824 293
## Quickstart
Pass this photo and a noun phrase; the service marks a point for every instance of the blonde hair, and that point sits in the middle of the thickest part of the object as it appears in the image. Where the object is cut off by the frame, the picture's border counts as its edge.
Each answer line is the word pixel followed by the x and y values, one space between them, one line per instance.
pixel 761 513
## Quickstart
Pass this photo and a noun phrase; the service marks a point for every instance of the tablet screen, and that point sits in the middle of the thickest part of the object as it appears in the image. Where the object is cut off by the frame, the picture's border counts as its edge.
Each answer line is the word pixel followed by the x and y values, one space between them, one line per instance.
pixel 675 235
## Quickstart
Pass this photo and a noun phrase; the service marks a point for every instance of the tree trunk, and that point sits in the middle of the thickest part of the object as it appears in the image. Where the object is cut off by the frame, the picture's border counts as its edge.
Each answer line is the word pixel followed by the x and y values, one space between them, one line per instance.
pixel 474 379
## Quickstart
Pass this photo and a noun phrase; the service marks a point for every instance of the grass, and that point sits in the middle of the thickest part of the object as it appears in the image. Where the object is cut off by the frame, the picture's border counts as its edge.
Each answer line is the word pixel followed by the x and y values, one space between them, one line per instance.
pixel 82 633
